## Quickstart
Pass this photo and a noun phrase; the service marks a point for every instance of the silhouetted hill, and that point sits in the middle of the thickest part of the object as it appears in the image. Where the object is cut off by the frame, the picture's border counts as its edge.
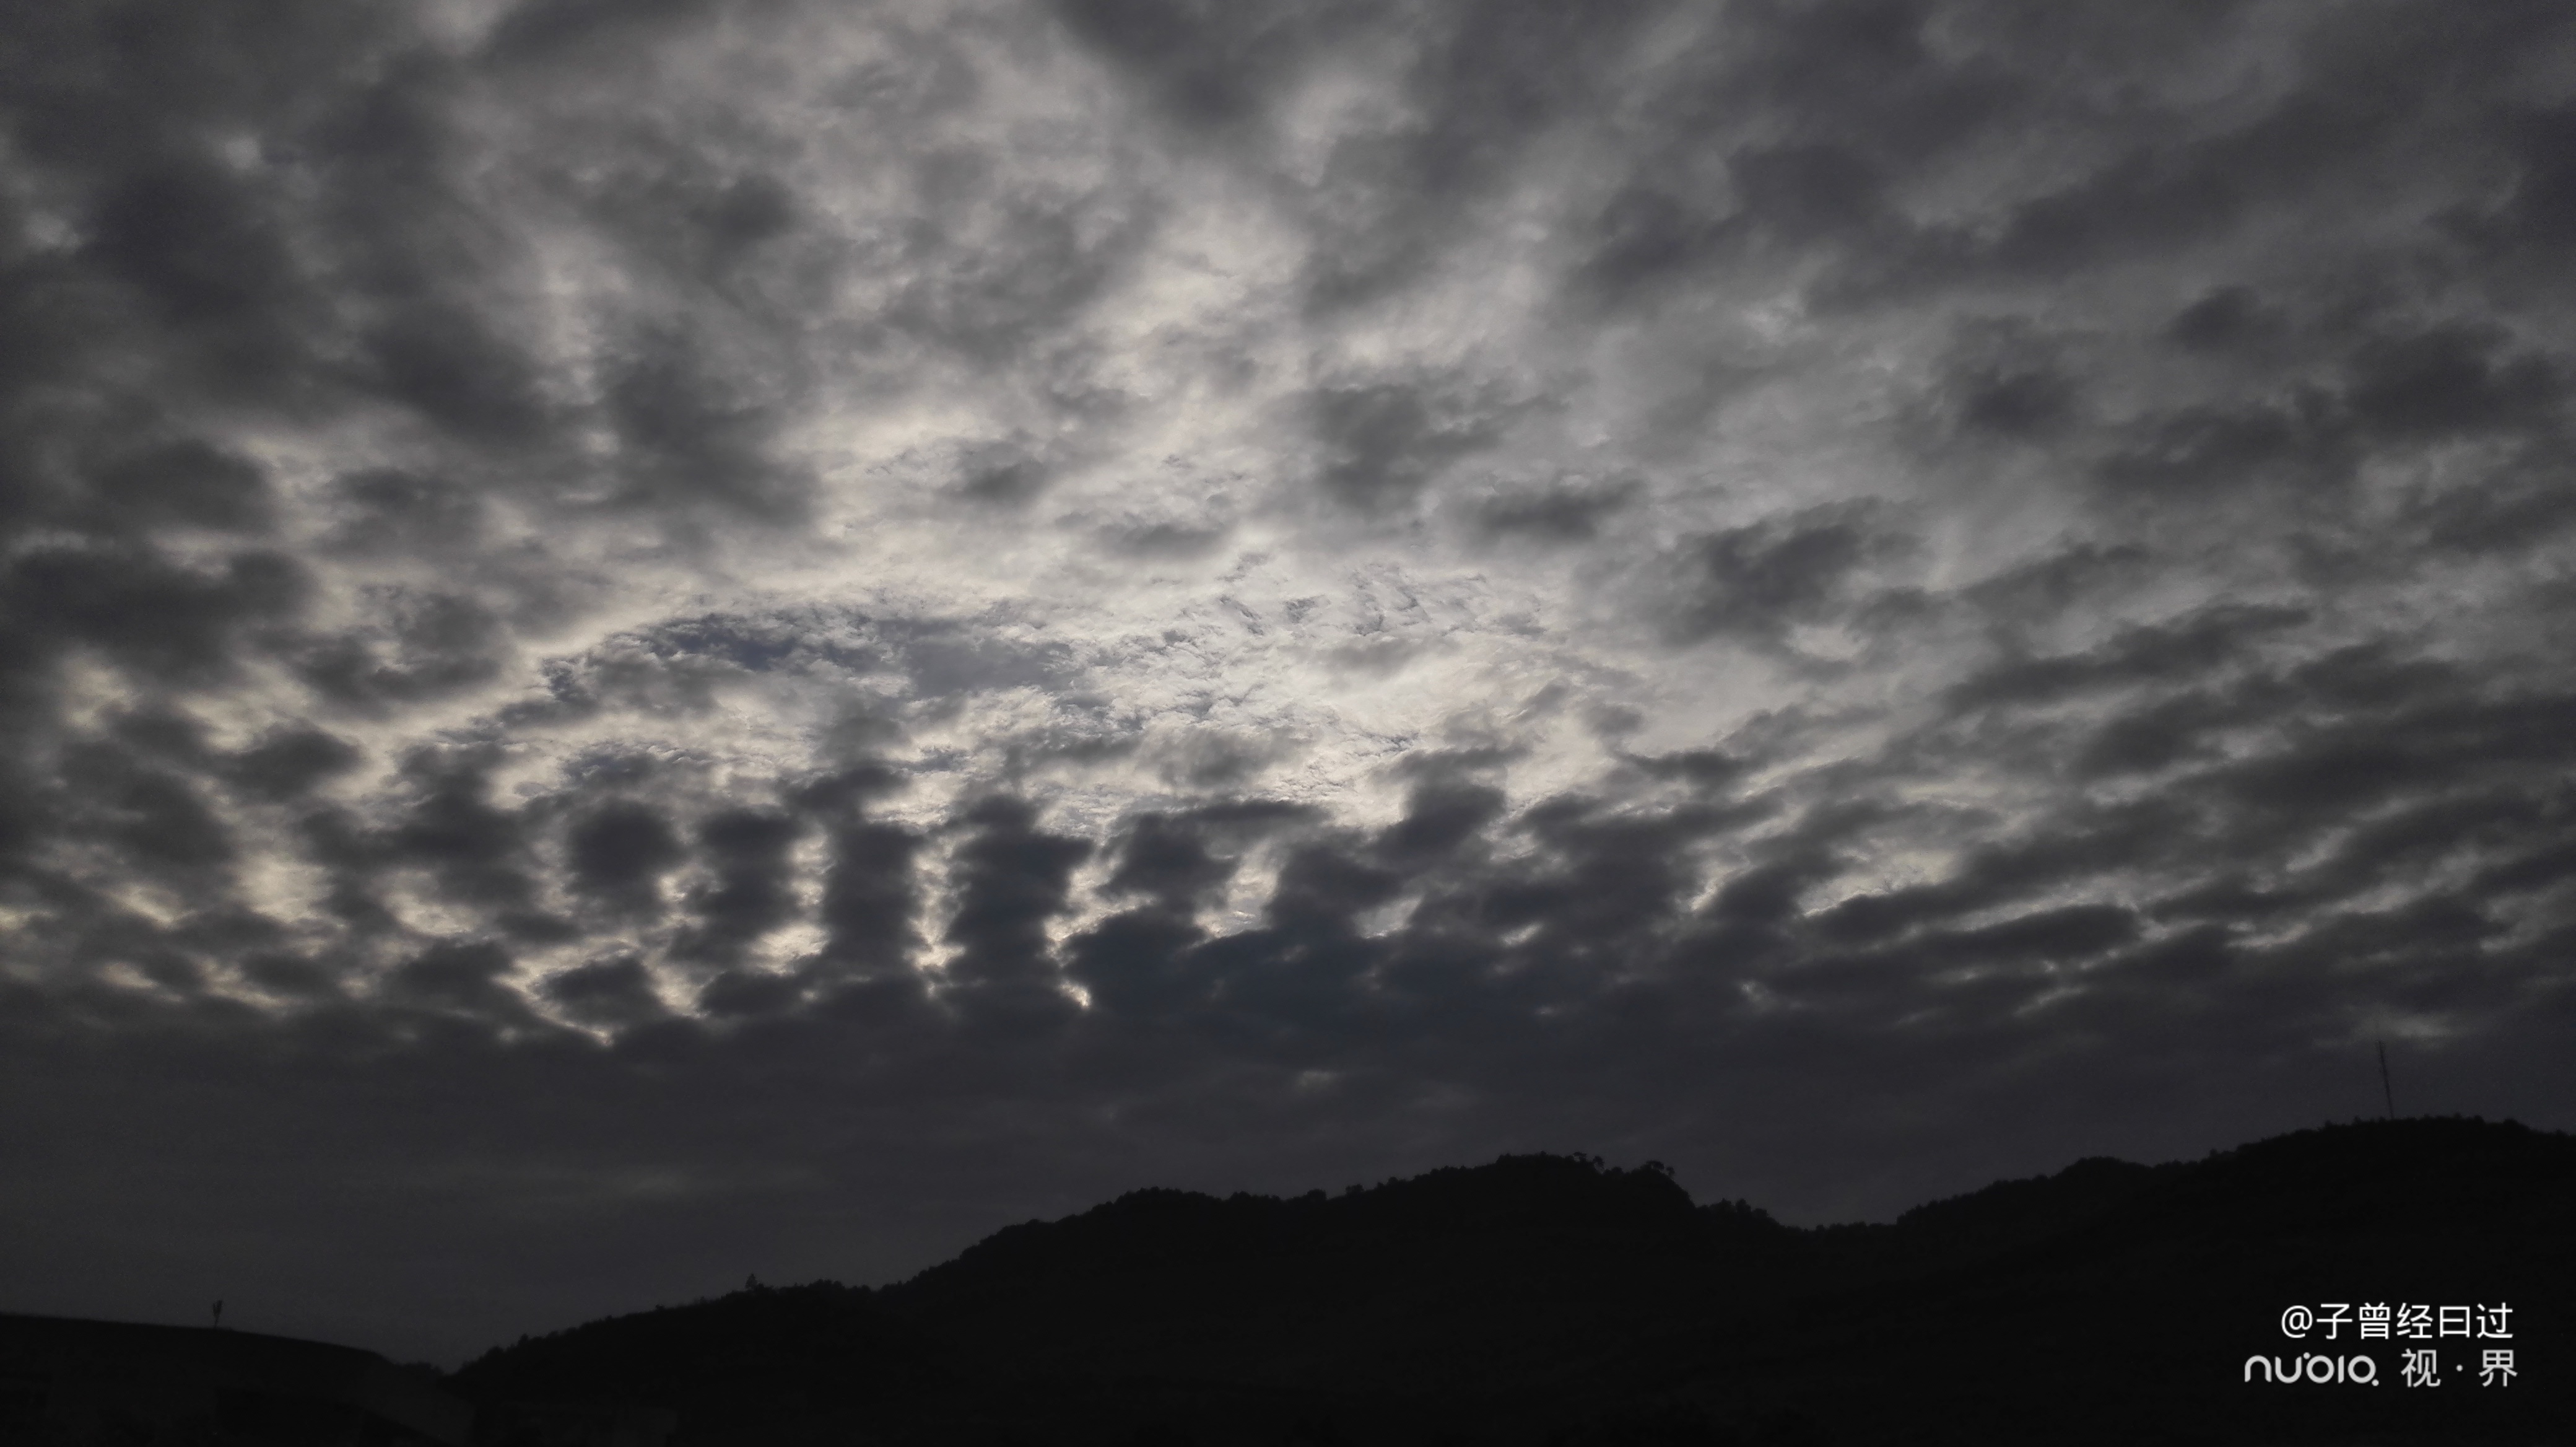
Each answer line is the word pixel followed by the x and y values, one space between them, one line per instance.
pixel 70 1380
pixel 2129 1319
pixel 771 1364
pixel 1474 1278
pixel 1539 1294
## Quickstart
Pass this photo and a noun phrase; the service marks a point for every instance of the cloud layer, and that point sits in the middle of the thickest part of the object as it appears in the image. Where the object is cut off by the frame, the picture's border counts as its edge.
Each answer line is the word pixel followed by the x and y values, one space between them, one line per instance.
pixel 639 641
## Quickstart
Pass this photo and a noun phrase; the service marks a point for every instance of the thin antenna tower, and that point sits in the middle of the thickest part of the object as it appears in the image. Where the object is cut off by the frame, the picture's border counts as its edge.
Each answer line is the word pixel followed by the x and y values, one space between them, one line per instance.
pixel 2385 1093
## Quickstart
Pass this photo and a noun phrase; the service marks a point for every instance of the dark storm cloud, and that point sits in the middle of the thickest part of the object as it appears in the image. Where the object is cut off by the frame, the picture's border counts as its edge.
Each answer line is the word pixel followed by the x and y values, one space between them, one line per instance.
pixel 154 815
pixel 145 609
pixel 393 512
pixel 1875 89
pixel 1599 886
pixel 1439 817
pixel 541 709
pixel 1649 237
pixel 1000 477
pixel 201 253
pixel 445 363
pixel 2170 652
pixel 617 993
pixel 689 443
pixel 2202 447
pixel 1012 878
pixel 2020 400
pixel 1384 442
pixel 188 483
pixel 420 646
pixel 1211 65
pixel 620 851
pixel 2228 319
pixel 747 894
pixel 991 269
pixel 1162 540
pixel 1179 859
pixel 549 28
pixel 460 978
pixel 476 850
pixel 869 897
pixel 1569 512
pixel 2448 380
pixel 2047 587
pixel 1486 81
pixel 1753 583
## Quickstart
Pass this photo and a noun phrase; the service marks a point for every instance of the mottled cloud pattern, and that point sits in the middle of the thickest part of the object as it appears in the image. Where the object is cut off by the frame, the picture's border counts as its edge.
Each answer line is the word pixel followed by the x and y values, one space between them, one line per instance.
pixel 638 641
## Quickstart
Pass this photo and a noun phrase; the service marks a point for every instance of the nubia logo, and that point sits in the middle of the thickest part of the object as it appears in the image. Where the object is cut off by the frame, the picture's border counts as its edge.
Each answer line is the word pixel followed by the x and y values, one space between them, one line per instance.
pixel 2316 1367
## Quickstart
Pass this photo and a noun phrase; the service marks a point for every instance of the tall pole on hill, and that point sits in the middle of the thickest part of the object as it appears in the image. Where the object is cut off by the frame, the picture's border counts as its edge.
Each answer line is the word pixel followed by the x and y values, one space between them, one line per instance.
pixel 2385 1093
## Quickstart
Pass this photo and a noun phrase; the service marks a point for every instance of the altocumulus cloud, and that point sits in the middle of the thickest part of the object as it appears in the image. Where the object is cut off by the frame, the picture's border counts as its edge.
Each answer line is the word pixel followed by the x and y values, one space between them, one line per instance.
pixel 642 641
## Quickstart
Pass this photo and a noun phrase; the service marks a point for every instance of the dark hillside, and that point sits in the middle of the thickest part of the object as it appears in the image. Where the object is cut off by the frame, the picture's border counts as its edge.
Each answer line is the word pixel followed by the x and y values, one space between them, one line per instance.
pixel 2135 1319
pixel 2107 1303
pixel 784 1364
pixel 1964 1231
pixel 1478 1279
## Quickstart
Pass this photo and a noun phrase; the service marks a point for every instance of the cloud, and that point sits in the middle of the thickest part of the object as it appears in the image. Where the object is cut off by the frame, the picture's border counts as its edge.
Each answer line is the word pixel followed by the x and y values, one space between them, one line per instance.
pixel 1755 582
pixel 1572 511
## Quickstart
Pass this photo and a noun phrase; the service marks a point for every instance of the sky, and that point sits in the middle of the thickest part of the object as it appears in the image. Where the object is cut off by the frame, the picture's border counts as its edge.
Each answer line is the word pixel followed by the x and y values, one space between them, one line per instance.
pixel 644 641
